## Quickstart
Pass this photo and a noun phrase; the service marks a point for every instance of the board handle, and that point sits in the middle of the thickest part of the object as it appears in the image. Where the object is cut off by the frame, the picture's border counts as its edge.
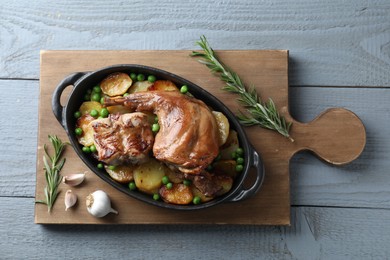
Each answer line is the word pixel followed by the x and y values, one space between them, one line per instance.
pixel 256 162
pixel 70 80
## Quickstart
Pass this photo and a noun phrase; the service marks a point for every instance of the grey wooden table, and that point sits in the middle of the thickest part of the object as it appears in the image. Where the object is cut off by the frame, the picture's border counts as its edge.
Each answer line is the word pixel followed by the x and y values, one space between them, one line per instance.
pixel 339 57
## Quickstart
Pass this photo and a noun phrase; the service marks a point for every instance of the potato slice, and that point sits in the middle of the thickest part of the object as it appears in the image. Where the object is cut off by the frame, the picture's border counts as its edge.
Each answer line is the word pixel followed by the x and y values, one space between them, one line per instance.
pixel 85 123
pixel 148 176
pixel 119 109
pixel 173 176
pixel 225 182
pixel 225 167
pixel 178 194
pixel 116 84
pixel 140 86
pixel 223 126
pixel 87 106
pixel 121 173
pixel 196 192
pixel 163 85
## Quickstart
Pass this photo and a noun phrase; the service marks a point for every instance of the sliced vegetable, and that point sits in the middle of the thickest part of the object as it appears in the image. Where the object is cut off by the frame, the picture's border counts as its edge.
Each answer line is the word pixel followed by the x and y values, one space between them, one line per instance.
pixel 148 176
pixel 116 84
pixel 140 86
pixel 121 173
pixel 178 194
pixel 163 85
pixel 230 146
pixel 85 124
pixel 88 106
pixel 223 126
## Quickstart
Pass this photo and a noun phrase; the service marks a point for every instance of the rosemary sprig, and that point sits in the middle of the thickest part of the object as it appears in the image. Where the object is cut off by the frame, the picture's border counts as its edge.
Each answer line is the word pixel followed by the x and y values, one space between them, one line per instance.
pixel 52 167
pixel 259 113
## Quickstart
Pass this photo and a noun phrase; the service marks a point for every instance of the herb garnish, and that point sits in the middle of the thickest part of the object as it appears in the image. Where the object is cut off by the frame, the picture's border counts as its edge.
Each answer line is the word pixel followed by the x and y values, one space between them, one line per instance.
pixel 259 113
pixel 52 172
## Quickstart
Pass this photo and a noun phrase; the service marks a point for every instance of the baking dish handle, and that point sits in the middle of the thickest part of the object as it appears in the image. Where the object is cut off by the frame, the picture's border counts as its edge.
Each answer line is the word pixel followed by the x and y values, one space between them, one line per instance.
pixel 56 98
pixel 257 163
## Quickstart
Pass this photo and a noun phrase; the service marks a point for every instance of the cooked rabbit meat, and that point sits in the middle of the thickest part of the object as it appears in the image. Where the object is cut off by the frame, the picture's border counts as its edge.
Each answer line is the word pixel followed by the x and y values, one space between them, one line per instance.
pixel 123 138
pixel 188 135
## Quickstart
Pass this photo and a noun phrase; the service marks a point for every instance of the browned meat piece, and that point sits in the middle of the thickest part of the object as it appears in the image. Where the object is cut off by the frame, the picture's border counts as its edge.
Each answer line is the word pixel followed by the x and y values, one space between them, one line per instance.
pixel 123 138
pixel 188 136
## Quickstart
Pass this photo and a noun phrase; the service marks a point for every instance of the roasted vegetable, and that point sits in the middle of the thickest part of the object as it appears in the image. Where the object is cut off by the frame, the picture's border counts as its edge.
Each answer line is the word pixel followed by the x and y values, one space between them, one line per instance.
pixel 230 146
pixel 85 124
pixel 223 126
pixel 88 106
pixel 121 173
pixel 178 194
pixel 116 84
pixel 197 192
pixel 163 85
pixel 148 176
pixel 225 167
pixel 140 86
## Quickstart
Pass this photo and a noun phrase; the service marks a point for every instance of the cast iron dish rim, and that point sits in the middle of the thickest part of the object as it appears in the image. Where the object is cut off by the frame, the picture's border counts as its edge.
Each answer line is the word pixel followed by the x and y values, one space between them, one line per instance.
pixel 64 115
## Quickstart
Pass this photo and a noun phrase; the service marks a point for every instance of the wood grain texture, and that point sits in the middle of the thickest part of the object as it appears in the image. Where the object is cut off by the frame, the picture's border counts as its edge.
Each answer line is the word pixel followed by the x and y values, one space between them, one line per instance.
pixel 315 233
pixel 271 206
pixel 347 45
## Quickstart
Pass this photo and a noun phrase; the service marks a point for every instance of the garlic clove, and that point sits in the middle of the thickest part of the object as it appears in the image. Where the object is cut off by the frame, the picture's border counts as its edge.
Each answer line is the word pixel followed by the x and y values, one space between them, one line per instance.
pixel 99 204
pixel 70 199
pixel 74 179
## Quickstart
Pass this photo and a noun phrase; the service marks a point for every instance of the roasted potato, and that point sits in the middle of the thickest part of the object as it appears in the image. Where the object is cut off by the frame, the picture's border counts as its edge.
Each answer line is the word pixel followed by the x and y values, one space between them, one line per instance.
pixel 121 173
pixel 116 84
pixel 85 123
pixel 87 106
pixel 196 192
pixel 225 182
pixel 163 85
pixel 173 176
pixel 119 109
pixel 230 146
pixel 223 126
pixel 148 176
pixel 140 86
pixel 178 194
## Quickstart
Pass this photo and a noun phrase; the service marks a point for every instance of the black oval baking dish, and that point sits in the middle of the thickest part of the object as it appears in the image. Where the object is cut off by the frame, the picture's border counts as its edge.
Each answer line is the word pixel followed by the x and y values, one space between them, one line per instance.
pixel 81 81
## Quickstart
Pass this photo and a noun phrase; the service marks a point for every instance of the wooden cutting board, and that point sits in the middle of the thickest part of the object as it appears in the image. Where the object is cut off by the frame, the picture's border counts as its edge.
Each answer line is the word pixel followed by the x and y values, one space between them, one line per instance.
pixel 337 136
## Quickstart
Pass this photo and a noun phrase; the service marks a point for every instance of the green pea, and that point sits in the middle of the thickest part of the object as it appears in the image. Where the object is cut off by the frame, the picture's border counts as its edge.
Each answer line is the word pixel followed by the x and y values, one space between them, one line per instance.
pixel 184 89
pixel 102 100
pixel 169 185
pixel 104 112
pixel 140 77
pixel 94 113
pixel 156 119
pixel 165 180
pixel 96 89
pixel 240 151
pixel 239 168
pixel 187 182
pixel 240 160
pixel 95 97
pixel 126 94
pixel 93 148
pixel 100 166
pixel 196 200
pixel 132 185
pixel 156 196
pixel 155 128
pixel 86 149
pixel 77 114
pixel 151 78
pixel 78 131
pixel 111 167
pixel 133 76
pixel 234 155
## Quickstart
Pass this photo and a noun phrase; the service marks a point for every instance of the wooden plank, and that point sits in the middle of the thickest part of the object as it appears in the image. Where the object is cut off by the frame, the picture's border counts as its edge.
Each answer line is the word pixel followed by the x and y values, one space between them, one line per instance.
pixel 270 206
pixel 315 233
pixel 328 45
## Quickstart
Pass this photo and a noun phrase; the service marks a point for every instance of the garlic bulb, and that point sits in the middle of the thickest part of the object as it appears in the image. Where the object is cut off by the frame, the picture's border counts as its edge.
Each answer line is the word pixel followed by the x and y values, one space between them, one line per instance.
pixel 99 204
pixel 70 199
pixel 74 179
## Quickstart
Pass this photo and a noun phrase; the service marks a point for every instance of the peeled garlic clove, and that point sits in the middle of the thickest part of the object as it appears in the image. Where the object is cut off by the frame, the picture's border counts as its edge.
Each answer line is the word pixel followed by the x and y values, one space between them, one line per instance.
pixel 70 199
pixel 74 179
pixel 99 204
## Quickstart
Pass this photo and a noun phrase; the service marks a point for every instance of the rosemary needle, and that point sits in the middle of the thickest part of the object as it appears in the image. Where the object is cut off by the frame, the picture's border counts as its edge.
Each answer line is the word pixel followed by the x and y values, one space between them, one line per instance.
pixel 259 113
pixel 52 167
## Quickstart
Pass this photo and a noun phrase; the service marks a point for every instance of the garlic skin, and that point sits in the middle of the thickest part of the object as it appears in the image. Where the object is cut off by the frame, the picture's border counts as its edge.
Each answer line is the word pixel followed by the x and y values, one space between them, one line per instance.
pixel 99 204
pixel 70 199
pixel 74 179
